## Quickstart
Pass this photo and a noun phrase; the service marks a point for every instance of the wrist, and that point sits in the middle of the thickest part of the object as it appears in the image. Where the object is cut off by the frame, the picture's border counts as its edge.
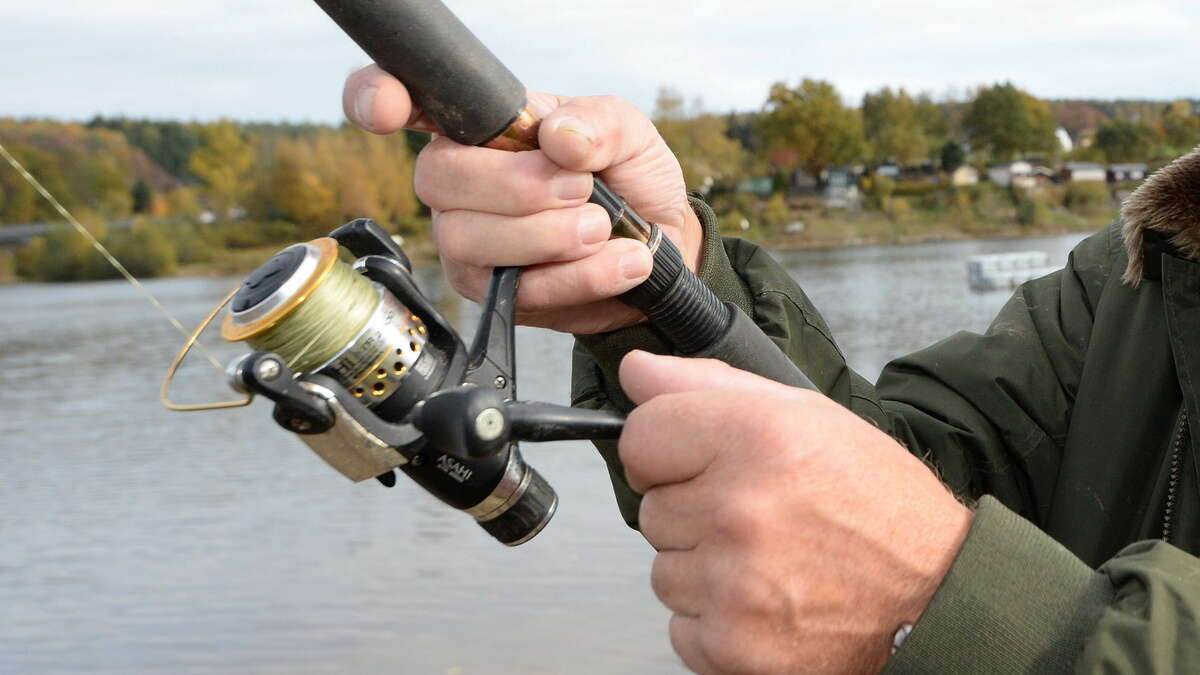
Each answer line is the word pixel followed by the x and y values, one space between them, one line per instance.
pixel 936 546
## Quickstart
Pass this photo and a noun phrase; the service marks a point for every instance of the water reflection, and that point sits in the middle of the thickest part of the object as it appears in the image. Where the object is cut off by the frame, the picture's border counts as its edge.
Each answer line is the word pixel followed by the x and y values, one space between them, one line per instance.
pixel 139 540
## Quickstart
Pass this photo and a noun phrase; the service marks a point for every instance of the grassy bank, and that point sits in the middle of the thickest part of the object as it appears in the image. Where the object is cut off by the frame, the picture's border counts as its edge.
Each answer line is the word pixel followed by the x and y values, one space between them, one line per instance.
pixel 888 214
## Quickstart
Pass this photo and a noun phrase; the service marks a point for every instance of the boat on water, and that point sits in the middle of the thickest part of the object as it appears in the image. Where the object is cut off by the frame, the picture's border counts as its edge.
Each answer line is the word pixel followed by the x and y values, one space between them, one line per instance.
pixel 994 271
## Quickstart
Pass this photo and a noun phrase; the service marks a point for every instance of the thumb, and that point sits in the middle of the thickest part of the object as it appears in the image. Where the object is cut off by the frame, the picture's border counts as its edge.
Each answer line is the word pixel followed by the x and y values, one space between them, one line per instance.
pixel 644 376
pixel 610 136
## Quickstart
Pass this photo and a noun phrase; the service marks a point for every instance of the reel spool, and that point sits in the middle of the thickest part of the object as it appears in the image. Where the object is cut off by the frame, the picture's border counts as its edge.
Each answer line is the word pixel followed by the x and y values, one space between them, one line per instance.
pixel 321 316
pixel 372 378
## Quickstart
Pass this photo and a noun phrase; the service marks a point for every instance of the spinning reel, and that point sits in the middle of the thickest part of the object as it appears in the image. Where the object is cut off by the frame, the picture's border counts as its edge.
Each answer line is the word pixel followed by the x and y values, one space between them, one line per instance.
pixel 402 392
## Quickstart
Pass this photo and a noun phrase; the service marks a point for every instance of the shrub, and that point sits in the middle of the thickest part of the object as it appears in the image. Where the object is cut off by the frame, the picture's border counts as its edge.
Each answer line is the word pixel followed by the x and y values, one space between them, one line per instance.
pixel 1087 197
pixel 1032 211
pixel 62 255
pixel 776 214
pixel 916 189
pixel 144 250
pixel 249 234
pixel 879 192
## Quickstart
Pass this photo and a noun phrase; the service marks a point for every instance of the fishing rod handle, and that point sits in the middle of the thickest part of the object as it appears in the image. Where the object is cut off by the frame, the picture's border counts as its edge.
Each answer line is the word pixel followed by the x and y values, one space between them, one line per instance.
pixel 475 100
pixel 449 73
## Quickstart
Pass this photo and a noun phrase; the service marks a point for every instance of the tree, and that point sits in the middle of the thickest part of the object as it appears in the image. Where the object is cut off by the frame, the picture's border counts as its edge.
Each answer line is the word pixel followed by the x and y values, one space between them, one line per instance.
pixel 1125 141
pixel 893 127
pixel 142 196
pixel 1181 127
pixel 811 124
pixel 952 156
pixel 701 142
pixel 223 161
pixel 1007 122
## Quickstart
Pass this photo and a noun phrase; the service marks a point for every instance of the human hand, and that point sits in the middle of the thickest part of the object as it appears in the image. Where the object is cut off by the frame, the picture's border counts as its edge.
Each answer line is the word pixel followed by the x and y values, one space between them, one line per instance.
pixel 495 208
pixel 793 536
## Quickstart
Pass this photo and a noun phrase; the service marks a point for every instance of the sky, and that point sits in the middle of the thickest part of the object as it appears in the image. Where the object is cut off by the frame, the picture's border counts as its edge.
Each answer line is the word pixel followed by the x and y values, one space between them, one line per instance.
pixel 274 60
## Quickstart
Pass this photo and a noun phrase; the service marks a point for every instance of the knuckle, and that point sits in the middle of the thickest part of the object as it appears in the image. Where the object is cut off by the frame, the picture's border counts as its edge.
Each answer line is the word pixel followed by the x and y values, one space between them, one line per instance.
pixel 660 578
pixel 425 177
pixel 452 234
pixel 530 181
pixel 462 279
pixel 720 646
pixel 738 519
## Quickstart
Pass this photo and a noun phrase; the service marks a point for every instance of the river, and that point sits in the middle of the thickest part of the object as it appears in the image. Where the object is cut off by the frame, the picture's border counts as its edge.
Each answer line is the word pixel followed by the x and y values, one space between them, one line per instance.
pixel 137 540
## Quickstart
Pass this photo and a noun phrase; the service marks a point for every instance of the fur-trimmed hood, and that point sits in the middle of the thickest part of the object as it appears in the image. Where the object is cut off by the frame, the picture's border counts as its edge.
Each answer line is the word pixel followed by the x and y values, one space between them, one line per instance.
pixel 1168 202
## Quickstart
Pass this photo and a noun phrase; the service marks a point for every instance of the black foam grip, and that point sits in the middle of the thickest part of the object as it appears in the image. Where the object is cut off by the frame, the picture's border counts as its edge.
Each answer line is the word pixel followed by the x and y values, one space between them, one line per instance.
pixel 450 74
pixel 678 304
pixel 524 519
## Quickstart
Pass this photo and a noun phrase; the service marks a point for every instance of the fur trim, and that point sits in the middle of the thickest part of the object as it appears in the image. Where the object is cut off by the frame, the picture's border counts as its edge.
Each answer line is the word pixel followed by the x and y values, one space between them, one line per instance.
pixel 1168 202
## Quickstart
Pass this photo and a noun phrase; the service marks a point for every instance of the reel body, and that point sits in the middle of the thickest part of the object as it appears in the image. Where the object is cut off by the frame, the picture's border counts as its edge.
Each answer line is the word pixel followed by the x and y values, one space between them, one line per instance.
pixel 404 392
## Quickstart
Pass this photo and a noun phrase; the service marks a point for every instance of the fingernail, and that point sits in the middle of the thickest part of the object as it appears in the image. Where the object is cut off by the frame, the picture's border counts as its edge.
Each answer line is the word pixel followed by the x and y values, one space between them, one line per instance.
pixel 572 185
pixel 636 264
pixel 594 226
pixel 364 103
pixel 573 125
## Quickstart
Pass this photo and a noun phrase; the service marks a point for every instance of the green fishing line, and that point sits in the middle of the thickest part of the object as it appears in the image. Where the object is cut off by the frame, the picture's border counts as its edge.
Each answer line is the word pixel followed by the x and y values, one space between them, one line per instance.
pixel 325 323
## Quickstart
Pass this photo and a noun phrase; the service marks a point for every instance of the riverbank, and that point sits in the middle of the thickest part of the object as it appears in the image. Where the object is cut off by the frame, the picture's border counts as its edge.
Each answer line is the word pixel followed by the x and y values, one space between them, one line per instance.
pixel 875 229
pixel 841 230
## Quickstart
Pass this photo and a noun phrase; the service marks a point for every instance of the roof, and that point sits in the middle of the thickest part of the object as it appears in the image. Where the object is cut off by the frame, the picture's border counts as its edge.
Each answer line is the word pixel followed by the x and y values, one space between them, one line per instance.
pixel 1127 166
pixel 1084 166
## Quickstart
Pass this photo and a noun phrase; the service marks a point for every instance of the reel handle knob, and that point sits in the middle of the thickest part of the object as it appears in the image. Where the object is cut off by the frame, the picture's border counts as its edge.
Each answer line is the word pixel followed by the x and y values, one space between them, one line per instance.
pixel 467 422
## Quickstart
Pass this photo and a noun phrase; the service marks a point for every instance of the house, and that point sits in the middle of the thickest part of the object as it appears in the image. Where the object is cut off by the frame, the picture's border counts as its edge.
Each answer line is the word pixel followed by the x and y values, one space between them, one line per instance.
pixel 1010 173
pixel 1064 140
pixel 841 189
pixel 1119 173
pixel 1084 172
pixel 964 175
pixel 889 170
pixel 761 186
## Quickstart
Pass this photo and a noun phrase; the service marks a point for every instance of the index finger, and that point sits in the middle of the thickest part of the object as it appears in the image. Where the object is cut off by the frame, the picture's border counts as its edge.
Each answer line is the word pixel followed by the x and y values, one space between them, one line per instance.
pixel 378 102
pixel 674 438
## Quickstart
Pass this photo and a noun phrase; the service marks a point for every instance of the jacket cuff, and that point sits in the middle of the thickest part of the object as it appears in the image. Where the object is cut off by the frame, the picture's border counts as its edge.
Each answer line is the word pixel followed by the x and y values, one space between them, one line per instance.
pixel 1014 601
pixel 716 271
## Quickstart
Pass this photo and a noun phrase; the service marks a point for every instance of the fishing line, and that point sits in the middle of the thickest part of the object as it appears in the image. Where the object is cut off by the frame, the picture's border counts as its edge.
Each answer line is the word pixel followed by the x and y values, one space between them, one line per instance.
pixel 321 326
pixel 29 178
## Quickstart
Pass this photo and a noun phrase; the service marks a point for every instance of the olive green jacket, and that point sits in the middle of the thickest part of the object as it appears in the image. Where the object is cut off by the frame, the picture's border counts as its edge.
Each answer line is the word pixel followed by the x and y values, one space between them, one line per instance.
pixel 1073 421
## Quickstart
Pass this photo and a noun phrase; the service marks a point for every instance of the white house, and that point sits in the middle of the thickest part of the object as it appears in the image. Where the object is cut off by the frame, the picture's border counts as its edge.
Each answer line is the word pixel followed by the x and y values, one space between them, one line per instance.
pixel 1084 172
pixel 1012 173
pixel 1127 172
pixel 964 175
pixel 1064 140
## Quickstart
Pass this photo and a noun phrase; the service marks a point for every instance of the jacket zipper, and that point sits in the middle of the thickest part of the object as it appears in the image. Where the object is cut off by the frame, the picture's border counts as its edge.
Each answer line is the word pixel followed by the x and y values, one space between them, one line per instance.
pixel 1181 436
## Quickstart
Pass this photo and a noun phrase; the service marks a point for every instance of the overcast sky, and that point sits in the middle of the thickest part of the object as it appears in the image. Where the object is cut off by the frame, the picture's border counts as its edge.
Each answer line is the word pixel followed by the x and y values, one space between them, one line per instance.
pixel 284 60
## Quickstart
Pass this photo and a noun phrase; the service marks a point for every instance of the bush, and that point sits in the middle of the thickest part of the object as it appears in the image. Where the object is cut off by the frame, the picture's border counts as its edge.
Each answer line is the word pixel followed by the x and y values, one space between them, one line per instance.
pixel 250 234
pixel 144 250
pixel 916 189
pixel 776 214
pixel 1087 197
pixel 1032 211
pixel 879 191
pixel 63 255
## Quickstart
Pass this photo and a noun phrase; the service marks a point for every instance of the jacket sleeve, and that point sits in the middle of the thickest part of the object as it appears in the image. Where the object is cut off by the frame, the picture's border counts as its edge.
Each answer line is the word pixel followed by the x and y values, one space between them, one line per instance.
pixel 1016 601
pixel 990 412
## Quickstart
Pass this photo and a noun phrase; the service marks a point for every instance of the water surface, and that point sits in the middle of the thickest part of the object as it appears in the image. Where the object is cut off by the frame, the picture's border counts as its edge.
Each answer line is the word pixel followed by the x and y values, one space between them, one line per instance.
pixel 141 540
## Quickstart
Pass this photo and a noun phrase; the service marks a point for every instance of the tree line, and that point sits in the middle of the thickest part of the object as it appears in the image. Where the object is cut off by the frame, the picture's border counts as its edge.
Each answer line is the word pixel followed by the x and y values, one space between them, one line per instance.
pixel 193 190
pixel 809 126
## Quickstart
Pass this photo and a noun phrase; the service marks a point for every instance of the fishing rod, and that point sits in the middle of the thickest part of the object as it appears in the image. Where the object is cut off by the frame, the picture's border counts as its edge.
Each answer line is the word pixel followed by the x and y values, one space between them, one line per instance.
pixel 363 368
pixel 475 100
